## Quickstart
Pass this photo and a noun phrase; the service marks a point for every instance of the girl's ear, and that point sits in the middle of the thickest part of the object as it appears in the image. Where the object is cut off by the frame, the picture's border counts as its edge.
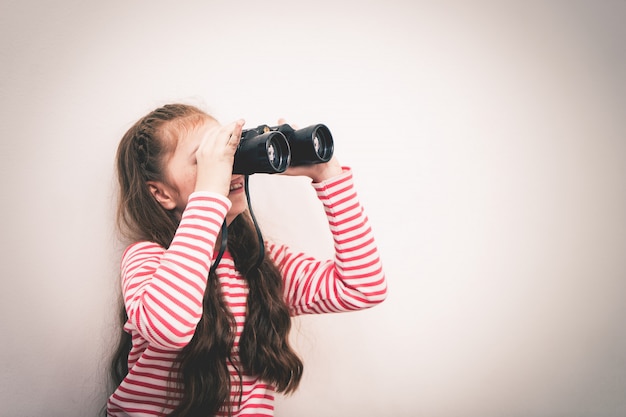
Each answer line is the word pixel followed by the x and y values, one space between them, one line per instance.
pixel 163 194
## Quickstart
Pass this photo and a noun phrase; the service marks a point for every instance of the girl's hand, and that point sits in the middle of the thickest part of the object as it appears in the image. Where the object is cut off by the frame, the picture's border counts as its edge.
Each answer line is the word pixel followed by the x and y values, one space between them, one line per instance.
pixel 317 172
pixel 215 156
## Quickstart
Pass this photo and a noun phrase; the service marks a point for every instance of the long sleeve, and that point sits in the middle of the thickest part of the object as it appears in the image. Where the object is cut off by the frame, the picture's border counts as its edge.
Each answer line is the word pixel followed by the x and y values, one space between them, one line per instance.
pixel 163 289
pixel 354 279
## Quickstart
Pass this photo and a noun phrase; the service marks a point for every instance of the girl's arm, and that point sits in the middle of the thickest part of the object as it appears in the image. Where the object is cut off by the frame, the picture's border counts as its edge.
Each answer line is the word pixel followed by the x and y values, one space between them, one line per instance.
pixel 354 279
pixel 163 289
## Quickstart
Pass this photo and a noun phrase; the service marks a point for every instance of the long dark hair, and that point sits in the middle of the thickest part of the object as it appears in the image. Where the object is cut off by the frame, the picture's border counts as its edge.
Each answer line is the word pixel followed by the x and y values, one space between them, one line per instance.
pixel 202 365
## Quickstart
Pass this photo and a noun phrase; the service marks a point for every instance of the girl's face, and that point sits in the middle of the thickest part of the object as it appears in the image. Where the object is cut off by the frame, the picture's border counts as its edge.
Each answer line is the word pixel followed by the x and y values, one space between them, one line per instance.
pixel 180 172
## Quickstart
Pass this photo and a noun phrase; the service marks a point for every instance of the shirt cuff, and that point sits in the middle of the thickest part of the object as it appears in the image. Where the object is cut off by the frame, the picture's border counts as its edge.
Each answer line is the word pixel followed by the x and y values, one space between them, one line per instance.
pixel 330 182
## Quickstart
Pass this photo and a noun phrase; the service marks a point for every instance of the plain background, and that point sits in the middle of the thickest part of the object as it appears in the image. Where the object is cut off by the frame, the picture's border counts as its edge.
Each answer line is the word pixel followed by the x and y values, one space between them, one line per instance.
pixel 488 142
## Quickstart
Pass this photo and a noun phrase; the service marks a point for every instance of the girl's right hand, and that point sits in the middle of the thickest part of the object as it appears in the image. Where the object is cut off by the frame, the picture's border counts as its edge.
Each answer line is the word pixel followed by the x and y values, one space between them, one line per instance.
pixel 215 156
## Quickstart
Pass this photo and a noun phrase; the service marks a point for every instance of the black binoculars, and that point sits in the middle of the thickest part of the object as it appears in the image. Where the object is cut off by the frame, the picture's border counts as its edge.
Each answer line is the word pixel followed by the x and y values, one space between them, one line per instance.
pixel 272 150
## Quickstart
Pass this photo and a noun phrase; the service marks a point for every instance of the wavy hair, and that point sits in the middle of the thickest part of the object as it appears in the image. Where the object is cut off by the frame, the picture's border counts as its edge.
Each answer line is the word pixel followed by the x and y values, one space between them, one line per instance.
pixel 204 382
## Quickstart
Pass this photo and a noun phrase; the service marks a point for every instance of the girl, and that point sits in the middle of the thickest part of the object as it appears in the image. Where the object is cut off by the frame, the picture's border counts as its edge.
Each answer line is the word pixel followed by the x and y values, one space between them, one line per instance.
pixel 207 303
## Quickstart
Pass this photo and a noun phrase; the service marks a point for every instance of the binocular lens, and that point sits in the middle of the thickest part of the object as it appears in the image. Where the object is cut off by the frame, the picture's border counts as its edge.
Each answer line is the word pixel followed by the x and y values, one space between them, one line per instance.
pixel 311 145
pixel 265 153
pixel 323 143
pixel 274 156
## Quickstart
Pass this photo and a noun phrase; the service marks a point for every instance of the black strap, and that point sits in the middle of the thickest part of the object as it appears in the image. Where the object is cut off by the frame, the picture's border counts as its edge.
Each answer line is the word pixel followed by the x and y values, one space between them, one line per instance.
pixel 256 226
pixel 223 244
pixel 224 240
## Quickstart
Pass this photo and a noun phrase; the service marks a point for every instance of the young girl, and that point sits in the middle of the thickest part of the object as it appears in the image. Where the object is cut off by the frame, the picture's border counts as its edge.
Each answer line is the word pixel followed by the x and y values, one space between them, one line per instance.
pixel 207 301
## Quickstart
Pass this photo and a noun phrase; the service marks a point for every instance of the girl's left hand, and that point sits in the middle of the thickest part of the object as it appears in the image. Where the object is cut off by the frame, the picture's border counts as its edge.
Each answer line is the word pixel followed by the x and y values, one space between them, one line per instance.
pixel 317 172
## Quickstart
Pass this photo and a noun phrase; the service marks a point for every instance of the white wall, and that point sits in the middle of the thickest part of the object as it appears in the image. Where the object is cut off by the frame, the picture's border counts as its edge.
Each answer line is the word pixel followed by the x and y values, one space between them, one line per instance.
pixel 488 143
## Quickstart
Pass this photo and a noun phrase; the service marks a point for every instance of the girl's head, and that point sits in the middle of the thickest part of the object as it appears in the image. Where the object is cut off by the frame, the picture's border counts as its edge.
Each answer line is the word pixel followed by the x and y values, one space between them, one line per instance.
pixel 156 169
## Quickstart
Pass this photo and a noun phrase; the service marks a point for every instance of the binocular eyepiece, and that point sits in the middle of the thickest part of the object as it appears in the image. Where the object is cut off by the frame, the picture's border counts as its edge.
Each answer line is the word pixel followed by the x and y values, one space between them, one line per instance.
pixel 272 150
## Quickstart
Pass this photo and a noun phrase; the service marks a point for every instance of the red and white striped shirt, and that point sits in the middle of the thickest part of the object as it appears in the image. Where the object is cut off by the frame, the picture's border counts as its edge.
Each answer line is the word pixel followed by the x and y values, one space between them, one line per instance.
pixel 163 292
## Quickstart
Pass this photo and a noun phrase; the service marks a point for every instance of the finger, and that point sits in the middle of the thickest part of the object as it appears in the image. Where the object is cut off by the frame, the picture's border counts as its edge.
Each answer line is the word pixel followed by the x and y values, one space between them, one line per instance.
pixel 282 121
pixel 235 134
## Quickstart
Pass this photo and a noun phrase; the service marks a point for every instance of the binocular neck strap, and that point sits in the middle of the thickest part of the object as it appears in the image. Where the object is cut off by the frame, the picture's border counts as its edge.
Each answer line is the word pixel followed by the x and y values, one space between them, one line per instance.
pixel 223 243
pixel 256 226
pixel 224 238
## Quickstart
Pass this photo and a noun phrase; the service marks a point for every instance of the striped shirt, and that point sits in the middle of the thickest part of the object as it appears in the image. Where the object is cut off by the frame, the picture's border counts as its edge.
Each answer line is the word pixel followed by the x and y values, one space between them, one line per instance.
pixel 163 292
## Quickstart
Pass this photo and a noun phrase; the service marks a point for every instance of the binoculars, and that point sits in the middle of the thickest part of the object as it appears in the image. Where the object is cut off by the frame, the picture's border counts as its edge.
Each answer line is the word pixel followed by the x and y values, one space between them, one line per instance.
pixel 272 150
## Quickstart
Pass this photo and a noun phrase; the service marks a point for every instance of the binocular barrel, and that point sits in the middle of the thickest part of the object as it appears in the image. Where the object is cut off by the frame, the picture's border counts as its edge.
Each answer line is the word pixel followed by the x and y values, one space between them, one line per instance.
pixel 272 150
